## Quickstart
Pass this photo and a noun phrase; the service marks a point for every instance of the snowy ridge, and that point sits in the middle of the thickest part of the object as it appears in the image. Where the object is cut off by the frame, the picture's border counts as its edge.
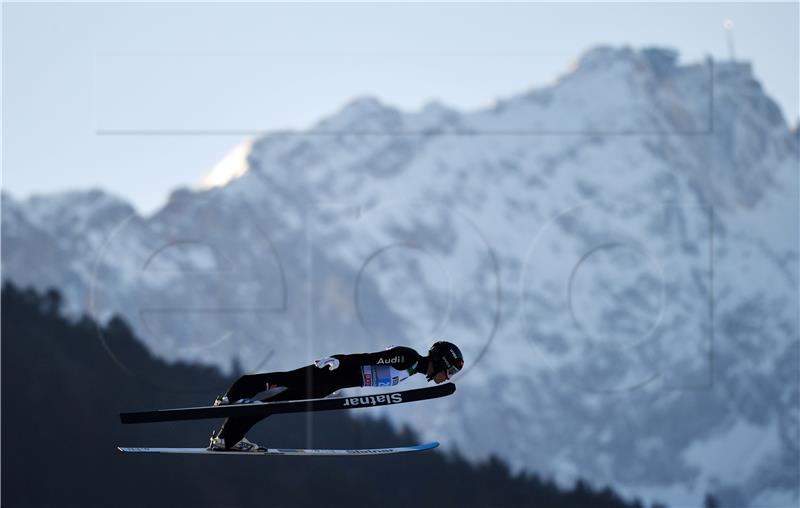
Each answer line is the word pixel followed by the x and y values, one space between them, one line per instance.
pixel 619 267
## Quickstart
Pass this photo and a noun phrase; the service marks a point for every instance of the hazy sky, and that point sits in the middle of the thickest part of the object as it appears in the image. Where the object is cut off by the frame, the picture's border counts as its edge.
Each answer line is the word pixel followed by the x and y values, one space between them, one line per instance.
pixel 141 98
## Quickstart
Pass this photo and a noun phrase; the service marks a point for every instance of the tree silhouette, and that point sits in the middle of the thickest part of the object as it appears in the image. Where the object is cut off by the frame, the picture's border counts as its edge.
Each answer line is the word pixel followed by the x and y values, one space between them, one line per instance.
pixel 62 392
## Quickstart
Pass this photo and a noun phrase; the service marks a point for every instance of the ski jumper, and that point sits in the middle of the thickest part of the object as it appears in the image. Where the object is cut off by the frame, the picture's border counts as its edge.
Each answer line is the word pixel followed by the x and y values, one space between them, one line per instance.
pixel 384 368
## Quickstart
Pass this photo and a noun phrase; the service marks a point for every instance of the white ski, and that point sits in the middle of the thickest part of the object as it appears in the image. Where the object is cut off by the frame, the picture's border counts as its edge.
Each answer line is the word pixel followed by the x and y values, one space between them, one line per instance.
pixel 317 452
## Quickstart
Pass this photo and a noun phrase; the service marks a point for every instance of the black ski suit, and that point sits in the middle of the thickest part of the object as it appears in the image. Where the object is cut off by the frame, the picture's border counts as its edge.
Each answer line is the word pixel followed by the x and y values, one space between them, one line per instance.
pixel 312 382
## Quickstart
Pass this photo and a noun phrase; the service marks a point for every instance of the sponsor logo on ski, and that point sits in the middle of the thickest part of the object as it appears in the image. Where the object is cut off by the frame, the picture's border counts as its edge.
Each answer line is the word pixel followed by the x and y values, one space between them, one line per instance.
pixel 373 400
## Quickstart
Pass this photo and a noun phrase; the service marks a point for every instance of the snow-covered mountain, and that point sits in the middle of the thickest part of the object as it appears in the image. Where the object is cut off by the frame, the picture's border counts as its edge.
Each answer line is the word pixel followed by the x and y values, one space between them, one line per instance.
pixel 617 253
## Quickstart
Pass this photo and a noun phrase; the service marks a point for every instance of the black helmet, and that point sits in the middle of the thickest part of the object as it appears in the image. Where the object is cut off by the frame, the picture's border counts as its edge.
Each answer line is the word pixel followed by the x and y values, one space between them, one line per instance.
pixel 445 356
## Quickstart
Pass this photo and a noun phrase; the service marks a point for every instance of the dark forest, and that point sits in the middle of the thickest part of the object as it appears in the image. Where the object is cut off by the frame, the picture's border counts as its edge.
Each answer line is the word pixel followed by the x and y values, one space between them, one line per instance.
pixel 63 391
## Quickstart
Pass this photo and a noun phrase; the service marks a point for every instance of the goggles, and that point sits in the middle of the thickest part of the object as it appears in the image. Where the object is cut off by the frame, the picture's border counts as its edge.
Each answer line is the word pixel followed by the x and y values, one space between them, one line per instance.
pixel 453 369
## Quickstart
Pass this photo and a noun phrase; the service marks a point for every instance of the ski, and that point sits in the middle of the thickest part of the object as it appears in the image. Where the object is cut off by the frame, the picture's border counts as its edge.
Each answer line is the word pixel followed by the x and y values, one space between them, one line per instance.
pixel 292 406
pixel 308 452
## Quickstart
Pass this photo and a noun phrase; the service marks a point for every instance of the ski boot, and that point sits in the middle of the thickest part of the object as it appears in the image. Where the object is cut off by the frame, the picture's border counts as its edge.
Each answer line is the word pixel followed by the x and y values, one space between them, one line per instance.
pixel 217 444
pixel 245 445
pixel 273 390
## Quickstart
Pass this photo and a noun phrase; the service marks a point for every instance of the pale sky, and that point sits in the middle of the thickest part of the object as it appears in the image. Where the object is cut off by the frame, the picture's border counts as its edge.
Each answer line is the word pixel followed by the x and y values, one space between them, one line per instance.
pixel 139 99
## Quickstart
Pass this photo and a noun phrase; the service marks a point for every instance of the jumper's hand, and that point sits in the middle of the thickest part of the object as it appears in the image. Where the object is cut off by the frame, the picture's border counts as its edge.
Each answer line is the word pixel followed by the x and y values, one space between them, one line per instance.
pixel 330 362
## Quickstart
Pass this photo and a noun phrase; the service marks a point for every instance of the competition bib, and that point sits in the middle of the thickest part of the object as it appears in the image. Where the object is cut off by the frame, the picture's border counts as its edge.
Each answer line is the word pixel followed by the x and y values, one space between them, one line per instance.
pixel 382 375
